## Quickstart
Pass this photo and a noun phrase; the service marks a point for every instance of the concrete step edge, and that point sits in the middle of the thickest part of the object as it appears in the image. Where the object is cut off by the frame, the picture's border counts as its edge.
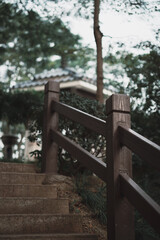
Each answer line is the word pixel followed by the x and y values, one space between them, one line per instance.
pixel 19 164
pixel 40 224
pixel 25 173
pixel 25 190
pixel 20 167
pixel 59 235
pixel 43 215
pixel 32 184
pixel 32 198
pixel 34 206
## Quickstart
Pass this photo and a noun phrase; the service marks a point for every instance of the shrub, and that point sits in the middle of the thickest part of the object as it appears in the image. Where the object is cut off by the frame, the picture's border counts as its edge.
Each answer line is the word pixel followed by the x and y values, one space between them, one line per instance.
pixel 93 197
pixel 89 140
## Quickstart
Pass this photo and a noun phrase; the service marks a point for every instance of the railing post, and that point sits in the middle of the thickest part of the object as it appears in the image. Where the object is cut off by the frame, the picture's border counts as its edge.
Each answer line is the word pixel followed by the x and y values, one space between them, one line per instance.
pixel 49 148
pixel 120 215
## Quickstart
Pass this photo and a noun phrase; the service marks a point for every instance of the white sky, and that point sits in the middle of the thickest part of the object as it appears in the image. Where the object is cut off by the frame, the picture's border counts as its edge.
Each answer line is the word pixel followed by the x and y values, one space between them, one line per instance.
pixel 118 26
pixel 115 27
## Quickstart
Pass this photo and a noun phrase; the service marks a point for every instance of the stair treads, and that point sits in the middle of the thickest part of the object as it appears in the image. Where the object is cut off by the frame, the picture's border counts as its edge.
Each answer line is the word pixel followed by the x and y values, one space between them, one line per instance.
pixel 39 223
pixel 17 167
pixel 68 236
pixel 31 190
pixel 21 178
pixel 33 205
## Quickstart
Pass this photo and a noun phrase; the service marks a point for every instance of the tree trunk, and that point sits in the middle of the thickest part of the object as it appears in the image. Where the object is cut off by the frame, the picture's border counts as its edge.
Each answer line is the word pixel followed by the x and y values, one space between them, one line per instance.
pixel 98 38
pixel 63 61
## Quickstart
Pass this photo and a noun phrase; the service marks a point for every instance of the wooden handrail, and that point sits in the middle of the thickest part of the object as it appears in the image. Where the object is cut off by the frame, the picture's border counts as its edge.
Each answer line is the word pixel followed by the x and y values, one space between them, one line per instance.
pixel 142 201
pixel 87 120
pixel 120 213
pixel 88 160
pixel 140 145
pixel 118 170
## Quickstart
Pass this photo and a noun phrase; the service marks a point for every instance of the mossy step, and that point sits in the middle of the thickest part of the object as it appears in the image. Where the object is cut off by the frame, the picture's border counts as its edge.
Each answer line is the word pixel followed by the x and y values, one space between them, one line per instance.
pixel 32 190
pixel 39 224
pixel 21 178
pixel 17 167
pixel 33 206
pixel 50 237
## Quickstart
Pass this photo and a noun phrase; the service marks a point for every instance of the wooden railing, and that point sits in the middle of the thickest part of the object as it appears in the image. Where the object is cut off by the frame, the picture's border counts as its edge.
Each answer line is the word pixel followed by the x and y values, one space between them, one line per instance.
pixel 122 192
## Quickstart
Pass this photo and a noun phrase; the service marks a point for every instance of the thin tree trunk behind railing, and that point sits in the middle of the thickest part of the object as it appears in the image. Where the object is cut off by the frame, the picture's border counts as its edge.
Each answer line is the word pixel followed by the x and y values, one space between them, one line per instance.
pixel 98 39
pixel 117 171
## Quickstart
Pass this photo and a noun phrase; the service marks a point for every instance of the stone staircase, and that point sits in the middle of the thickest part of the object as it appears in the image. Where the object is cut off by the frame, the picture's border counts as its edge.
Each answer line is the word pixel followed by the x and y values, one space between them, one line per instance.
pixel 30 210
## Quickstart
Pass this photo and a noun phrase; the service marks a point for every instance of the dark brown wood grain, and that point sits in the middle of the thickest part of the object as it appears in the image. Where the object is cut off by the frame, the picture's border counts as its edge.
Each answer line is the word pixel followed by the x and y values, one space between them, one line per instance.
pixel 120 215
pixel 139 199
pixel 140 145
pixel 122 191
pixel 118 103
pixel 49 148
pixel 87 120
pixel 88 160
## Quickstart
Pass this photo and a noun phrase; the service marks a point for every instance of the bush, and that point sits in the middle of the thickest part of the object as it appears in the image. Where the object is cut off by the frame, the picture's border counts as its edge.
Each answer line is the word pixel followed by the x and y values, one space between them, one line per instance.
pixel 93 197
pixel 96 145
pixel 86 138
pixel 17 110
pixel 89 140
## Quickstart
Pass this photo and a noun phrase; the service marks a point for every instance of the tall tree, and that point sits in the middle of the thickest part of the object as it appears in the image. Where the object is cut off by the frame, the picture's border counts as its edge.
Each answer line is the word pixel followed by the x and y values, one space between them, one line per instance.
pixel 98 39
pixel 143 72
pixel 128 6
pixel 28 41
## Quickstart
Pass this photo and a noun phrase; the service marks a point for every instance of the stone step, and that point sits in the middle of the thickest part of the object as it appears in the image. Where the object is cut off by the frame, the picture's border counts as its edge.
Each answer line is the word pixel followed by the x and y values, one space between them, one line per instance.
pixel 21 178
pixel 17 167
pixel 33 206
pixel 39 224
pixel 32 190
pixel 68 236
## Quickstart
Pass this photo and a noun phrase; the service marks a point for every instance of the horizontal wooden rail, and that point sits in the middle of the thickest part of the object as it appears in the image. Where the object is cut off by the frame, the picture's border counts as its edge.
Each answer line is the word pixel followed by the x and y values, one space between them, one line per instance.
pixel 141 201
pixel 120 215
pixel 89 121
pixel 88 160
pixel 140 145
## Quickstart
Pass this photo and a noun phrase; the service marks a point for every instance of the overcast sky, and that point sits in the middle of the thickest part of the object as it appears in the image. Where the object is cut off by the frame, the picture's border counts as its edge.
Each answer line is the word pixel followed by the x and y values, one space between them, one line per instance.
pixel 117 26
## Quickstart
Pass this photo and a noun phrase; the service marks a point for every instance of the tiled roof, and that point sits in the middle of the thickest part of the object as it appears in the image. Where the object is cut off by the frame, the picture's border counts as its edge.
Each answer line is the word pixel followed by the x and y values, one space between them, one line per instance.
pixel 58 75
pixel 27 84
pixel 59 72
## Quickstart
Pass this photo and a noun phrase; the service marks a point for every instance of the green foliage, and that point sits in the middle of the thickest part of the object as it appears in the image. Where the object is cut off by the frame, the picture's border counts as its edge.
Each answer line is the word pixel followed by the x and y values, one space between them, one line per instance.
pixel 149 180
pixel 146 125
pixel 96 199
pixel 19 107
pixel 84 8
pixel 17 111
pixel 28 41
pixel 143 230
pixel 143 72
pixel 87 139
pixel 37 154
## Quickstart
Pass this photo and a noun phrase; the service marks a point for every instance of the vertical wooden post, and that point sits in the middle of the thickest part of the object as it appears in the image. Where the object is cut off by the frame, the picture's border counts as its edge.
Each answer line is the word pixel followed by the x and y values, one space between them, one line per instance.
pixel 120 215
pixel 50 148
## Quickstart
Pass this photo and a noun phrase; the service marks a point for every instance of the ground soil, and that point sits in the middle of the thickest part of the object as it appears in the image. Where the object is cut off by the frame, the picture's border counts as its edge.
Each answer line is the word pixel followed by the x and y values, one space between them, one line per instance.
pixel 90 223
pixel 66 189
